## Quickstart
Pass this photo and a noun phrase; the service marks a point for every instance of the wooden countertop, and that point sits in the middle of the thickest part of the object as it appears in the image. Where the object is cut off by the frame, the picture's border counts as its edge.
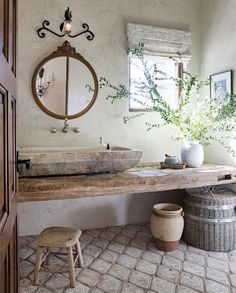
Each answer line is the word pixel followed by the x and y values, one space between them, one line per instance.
pixel 143 178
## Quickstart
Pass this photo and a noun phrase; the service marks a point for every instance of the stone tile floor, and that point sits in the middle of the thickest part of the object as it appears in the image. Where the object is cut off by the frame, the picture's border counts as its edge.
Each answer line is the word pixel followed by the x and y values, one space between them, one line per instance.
pixel 125 259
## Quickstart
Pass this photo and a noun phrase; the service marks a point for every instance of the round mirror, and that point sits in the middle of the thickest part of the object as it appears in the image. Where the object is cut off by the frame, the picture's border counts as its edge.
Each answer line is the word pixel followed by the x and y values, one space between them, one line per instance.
pixel 64 84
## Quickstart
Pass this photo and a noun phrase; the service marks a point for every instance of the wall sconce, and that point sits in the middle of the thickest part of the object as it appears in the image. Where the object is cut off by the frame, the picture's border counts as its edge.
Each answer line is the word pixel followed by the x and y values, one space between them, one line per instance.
pixel 41 86
pixel 66 25
pixel 65 28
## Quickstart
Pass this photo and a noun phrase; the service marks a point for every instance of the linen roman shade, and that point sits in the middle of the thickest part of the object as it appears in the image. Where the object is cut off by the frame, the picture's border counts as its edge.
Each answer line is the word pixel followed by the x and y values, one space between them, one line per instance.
pixel 160 41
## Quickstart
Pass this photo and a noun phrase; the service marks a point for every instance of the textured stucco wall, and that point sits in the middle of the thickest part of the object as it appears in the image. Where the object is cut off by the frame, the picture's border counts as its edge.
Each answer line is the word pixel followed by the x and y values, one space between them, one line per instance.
pixel 107 54
pixel 218 38
pixel 94 212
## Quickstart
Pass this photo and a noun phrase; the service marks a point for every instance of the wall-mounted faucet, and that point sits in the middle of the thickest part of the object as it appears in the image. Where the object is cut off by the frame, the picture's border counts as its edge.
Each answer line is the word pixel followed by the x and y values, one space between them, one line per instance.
pixel 66 128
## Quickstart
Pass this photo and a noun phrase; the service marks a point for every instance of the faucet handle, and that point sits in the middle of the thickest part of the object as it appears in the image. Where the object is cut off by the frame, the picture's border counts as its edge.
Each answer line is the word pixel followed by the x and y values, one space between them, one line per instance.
pixel 76 130
pixel 53 129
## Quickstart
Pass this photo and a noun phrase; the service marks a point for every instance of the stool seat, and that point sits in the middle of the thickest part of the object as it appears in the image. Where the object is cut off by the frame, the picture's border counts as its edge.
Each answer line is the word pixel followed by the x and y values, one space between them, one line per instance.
pixel 58 237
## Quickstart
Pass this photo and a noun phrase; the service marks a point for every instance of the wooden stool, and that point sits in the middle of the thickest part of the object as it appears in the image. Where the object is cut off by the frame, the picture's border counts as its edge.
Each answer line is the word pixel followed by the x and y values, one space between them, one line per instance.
pixel 58 237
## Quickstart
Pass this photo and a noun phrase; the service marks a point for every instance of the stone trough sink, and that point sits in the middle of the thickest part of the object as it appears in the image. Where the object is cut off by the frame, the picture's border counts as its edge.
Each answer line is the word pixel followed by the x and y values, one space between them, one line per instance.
pixel 72 161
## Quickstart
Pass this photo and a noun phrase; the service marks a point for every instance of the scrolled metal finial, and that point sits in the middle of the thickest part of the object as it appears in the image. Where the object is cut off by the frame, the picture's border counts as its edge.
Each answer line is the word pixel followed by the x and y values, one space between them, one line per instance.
pixel 68 14
pixel 90 37
pixel 44 27
pixel 39 31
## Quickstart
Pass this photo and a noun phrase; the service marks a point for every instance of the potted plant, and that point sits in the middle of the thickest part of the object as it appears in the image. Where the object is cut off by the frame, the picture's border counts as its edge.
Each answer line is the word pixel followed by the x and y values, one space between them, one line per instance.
pixel 197 121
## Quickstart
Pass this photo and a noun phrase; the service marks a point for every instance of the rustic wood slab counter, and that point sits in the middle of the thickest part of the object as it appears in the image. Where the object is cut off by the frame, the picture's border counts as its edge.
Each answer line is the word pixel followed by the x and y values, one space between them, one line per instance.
pixel 143 178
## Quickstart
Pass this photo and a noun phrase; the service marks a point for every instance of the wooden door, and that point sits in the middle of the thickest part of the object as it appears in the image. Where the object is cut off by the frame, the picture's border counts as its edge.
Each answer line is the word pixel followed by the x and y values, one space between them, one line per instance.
pixel 8 219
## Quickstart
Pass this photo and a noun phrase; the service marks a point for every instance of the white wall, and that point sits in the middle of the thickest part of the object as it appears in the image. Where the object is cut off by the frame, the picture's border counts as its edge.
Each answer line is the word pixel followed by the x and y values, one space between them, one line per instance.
pixel 107 54
pixel 218 39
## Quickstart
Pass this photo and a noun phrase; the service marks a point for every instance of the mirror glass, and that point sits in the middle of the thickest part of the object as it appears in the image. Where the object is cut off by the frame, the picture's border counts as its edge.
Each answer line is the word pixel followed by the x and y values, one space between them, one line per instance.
pixel 65 85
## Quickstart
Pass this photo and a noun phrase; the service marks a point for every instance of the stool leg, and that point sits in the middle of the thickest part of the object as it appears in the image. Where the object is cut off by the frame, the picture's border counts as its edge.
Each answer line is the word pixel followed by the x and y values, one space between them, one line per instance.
pixel 80 260
pixel 39 254
pixel 71 267
pixel 47 261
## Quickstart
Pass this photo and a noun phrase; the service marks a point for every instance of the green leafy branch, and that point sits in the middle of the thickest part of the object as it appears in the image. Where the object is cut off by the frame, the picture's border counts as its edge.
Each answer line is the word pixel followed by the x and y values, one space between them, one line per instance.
pixel 202 119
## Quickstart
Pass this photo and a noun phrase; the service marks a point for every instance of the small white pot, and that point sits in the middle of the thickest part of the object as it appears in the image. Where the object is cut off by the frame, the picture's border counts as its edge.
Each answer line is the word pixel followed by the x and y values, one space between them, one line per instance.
pixel 192 154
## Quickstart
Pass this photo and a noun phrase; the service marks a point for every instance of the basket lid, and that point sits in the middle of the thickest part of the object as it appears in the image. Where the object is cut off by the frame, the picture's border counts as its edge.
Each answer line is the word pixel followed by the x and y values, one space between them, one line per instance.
pixel 216 194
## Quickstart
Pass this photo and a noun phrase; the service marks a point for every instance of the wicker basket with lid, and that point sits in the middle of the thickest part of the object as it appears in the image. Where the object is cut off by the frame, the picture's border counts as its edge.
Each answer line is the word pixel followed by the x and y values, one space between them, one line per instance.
pixel 210 218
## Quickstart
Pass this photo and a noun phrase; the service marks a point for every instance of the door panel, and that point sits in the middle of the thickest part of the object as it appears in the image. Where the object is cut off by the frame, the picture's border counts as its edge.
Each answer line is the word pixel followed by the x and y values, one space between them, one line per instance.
pixel 5 27
pixel 12 34
pixel 12 147
pixel 8 31
pixel 13 262
pixel 1 23
pixel 3 276
pixel 8 254
pixel 8 102
pixel 3 196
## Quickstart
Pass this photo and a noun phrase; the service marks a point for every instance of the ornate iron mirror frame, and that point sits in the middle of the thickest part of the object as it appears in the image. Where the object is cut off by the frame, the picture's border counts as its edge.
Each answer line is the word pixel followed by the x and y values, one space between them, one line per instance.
pixel 67 51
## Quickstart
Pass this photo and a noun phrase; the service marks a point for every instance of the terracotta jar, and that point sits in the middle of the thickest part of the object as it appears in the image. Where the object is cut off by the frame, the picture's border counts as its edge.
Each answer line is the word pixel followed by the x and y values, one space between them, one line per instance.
pixel 167 225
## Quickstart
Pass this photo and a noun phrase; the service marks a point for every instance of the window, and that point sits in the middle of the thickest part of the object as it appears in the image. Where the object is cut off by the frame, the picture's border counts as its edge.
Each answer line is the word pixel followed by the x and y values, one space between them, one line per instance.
pixel 139 99
pixel 157 42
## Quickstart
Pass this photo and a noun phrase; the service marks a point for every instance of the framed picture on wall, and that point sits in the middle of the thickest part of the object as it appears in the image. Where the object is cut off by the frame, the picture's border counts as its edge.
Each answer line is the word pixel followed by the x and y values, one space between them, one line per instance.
pixel 221 85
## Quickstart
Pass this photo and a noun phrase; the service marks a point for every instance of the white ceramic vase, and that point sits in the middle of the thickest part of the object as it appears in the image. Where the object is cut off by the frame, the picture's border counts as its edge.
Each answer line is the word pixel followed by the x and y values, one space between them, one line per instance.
pixel 192 154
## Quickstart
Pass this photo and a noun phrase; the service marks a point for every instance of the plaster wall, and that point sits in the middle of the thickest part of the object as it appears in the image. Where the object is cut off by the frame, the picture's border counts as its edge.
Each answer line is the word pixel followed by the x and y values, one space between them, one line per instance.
pixel 107 53
pixel 218 54
pixel 90 213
